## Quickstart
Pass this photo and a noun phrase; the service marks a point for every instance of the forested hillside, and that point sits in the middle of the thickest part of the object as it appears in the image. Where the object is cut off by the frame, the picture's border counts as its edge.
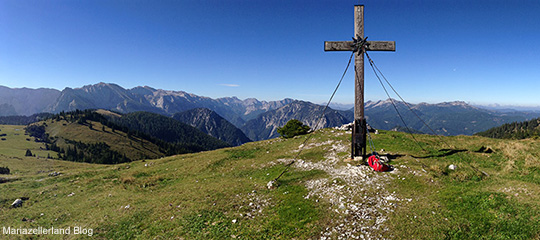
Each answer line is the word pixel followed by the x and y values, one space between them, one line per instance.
pixel 213 124
pixel 88 136
pixel 170 130
pixel 23 120
pixel 515 130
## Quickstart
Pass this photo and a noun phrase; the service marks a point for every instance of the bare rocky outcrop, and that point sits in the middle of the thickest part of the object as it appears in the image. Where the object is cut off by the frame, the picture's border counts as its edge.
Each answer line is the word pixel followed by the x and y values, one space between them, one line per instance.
pixel 356 194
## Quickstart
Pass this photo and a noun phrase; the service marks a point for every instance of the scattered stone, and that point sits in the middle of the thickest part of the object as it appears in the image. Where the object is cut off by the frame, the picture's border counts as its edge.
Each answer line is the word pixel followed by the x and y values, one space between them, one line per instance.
pixel 340 190
pixel 251 205
pixel 452 167
pixel 234 221
pixel 272 184
pixel 17 203
pixel 54 174
pixel 345 127
pixel 71 194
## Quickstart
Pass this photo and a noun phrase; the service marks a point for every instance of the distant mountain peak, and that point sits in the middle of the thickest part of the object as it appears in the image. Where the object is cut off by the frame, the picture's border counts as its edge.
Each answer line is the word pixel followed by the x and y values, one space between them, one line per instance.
pixel 381 103
pixel 454 103
pixel 100 85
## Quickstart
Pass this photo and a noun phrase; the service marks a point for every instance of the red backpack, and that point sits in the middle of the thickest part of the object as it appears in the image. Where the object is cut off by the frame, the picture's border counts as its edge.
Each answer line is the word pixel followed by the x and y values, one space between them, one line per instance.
pixel 375 162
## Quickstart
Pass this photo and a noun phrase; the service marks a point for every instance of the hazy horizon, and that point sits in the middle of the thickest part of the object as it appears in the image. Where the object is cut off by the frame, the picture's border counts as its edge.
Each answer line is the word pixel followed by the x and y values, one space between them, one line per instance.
pixel 333 104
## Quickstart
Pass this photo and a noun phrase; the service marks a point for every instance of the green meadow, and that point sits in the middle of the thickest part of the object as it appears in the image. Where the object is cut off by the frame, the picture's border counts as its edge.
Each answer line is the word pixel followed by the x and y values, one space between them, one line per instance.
pixel 492 193
pixel 14 142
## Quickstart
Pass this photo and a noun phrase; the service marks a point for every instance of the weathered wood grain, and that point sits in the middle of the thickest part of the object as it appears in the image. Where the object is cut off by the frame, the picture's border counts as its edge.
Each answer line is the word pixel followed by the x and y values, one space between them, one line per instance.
pixel 349 46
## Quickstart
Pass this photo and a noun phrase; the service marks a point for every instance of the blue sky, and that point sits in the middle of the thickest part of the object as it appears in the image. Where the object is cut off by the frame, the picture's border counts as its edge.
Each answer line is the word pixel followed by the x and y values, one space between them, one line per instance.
pixel 480 52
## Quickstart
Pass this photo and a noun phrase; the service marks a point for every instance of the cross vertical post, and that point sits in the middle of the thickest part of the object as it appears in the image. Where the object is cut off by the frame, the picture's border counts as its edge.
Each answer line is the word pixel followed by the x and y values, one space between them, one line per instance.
pixel 359 45
pixel 358 141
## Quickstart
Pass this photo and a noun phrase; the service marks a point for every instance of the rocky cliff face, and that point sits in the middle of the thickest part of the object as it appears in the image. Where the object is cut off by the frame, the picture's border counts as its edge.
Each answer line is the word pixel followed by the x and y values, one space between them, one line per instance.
pixel 212 124
pixel 101 95
pixel 265 125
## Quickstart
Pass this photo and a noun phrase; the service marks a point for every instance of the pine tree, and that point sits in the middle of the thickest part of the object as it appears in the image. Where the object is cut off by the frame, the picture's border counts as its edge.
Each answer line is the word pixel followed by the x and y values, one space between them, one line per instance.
pixel 293 128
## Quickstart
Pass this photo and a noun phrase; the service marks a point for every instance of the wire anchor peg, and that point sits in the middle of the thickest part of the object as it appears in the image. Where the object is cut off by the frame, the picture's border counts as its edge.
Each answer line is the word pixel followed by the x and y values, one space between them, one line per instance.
pixel 360 44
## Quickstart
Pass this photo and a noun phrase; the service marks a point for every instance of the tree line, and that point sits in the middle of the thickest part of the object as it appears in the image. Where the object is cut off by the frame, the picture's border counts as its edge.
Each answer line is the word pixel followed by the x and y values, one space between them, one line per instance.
pixel 102 153
pixel 84 116
pixel 23 120
pixel 515 130
pixel 77 151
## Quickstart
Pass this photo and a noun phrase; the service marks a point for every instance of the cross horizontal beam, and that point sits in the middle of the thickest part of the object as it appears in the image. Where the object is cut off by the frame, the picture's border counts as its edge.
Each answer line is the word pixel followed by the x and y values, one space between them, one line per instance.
pixel 371 46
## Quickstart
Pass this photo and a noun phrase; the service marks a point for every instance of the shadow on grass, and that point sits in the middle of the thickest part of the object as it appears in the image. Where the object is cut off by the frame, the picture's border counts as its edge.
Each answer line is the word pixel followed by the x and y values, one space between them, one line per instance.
pixel 294 177
pixel 393 156
pixel 445 152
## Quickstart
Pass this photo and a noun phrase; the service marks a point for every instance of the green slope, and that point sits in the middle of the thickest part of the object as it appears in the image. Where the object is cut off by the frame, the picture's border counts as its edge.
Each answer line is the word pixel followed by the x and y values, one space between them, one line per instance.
pixel 14 143
pixel 106 137
pixel 222 194
pixel 133 147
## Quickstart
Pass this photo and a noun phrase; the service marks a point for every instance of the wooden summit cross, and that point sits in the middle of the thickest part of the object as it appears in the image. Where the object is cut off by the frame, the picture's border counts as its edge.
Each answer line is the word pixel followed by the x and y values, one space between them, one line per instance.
pixel 359 45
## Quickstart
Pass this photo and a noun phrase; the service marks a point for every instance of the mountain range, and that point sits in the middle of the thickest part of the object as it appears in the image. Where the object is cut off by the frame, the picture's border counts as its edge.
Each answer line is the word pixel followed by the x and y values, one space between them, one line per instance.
pixel 113 97
pixel 26 101
pixel 447 118
pixel 258 120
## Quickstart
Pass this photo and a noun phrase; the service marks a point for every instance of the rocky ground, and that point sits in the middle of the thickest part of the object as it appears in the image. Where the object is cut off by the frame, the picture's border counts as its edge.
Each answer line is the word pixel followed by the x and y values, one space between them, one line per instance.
pixel 357 194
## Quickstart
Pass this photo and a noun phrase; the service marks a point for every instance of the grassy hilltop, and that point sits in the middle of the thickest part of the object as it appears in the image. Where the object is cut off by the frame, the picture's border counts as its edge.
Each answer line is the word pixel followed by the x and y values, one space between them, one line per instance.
pixel 493 193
